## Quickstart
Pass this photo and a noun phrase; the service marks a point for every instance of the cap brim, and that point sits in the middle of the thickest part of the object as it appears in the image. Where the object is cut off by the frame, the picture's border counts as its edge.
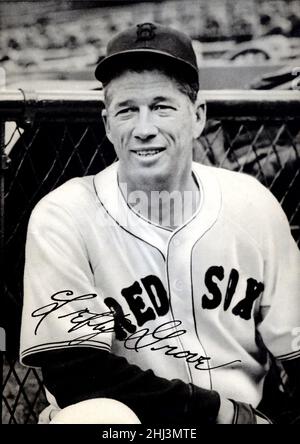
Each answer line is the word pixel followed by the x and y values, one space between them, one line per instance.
pixel 109 66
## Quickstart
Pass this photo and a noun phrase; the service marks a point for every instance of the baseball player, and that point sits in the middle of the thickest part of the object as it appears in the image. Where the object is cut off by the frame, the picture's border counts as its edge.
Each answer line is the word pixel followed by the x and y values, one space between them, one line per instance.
pixel 159 283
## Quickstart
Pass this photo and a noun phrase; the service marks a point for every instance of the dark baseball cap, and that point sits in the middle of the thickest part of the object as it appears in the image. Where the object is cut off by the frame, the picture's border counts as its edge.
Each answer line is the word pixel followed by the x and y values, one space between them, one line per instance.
pixel 163 45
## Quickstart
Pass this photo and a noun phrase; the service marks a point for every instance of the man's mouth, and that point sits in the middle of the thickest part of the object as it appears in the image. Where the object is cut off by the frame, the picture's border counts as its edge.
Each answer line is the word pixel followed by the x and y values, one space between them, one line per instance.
pixel 147 152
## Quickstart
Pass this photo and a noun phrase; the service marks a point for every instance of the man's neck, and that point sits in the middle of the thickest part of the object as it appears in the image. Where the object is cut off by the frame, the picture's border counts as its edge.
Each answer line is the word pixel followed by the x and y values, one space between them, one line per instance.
pixel 164 204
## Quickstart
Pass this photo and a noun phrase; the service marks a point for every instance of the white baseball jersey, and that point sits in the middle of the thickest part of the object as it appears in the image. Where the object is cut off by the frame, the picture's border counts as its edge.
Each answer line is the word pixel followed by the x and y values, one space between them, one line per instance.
pixel 202 303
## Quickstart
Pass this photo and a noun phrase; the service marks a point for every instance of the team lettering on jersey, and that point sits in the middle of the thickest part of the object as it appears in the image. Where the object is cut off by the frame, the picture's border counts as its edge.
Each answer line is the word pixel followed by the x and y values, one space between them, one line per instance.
pixel 148 299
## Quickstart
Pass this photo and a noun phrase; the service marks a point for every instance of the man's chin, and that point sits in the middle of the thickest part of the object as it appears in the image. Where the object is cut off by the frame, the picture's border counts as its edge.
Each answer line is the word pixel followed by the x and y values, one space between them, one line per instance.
pixel 156 177
pixel 147 174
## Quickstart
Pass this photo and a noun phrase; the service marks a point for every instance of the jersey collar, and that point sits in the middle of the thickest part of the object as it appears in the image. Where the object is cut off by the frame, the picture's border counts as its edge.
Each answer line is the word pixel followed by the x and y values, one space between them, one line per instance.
pixel 111 198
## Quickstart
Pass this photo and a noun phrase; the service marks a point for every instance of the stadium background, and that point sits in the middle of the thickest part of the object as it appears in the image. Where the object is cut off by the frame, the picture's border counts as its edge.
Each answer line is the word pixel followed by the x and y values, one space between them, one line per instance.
pixel 54 40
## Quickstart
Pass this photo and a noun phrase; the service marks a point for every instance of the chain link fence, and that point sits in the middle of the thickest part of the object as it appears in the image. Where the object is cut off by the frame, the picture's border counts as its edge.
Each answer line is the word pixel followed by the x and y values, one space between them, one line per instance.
pixel 52 137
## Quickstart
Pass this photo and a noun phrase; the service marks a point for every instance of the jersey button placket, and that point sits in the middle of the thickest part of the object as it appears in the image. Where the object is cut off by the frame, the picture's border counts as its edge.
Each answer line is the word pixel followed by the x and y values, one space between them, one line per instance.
pixel 177 285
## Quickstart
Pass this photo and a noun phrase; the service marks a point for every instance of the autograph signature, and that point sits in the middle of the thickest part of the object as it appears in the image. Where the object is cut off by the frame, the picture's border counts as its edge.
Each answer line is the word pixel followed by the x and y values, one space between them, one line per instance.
pixel 104 323
pixel 61 298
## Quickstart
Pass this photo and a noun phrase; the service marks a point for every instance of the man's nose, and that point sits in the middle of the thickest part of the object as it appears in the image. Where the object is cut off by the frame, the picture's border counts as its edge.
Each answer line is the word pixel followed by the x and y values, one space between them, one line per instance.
pixel 144 126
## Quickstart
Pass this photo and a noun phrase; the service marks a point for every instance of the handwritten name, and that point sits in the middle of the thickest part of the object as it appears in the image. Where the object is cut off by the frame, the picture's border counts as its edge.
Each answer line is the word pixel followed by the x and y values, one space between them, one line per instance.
pixel 104 323
pixel 146 338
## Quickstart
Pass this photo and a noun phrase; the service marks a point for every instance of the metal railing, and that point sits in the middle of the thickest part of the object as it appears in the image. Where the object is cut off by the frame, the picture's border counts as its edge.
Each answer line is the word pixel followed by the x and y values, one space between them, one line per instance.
pixel 54 136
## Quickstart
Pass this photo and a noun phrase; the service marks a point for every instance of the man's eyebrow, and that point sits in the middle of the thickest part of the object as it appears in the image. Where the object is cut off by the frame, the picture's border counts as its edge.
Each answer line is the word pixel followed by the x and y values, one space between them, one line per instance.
pixel 162 99
pixel 129 102
pixel 124 103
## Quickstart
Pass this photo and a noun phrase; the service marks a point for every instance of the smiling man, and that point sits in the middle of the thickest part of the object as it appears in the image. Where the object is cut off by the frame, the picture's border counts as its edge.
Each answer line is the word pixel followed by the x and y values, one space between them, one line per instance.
pixel 152 123
pixel 159 283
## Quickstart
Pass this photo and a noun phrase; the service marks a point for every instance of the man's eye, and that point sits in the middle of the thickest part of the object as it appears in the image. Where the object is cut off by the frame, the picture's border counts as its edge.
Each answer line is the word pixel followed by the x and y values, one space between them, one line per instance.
pixel 125 111
pixel 163 107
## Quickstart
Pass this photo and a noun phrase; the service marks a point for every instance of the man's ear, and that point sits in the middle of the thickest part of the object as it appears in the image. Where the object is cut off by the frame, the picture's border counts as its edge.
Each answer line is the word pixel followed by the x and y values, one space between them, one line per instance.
pixel 200 122
pixel 106 124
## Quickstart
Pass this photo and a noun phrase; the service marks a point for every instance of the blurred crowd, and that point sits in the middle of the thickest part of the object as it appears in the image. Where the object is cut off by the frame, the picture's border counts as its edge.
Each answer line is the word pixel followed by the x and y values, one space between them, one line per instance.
pixel 46 43
pixel 80 43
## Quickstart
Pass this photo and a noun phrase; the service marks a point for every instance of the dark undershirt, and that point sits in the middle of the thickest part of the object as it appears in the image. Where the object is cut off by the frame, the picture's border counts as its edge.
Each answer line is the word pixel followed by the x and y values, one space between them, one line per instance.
pixel 76 375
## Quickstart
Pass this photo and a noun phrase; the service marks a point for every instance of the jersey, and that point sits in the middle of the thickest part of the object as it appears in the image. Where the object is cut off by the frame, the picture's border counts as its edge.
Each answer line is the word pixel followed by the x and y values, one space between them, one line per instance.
pixel 205 303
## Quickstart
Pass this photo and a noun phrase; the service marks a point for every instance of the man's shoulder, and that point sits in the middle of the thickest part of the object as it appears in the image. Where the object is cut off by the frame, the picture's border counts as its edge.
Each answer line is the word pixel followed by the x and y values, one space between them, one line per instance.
pixel 228 176
pixel 246 201
pixel 247 192
pixel 78 192
pixel 77 198
pixel 70 193
pixel 237 185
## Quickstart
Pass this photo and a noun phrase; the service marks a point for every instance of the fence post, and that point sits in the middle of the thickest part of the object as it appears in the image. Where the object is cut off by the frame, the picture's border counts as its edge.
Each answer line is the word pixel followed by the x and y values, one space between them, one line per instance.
pixel 3 167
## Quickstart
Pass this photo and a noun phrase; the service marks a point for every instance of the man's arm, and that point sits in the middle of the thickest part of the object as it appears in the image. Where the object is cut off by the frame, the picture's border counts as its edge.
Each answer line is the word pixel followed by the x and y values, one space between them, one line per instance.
pixel 86 373
pixel 293 371
pixel 281 394
pixel 292 415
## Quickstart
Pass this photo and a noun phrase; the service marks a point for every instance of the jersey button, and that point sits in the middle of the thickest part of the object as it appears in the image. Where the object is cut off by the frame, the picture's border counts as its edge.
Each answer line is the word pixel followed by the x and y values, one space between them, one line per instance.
pixel 178 285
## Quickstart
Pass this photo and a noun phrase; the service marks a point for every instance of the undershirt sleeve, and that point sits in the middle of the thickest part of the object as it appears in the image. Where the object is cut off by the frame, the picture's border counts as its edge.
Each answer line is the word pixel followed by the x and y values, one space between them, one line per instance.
pixel 87 373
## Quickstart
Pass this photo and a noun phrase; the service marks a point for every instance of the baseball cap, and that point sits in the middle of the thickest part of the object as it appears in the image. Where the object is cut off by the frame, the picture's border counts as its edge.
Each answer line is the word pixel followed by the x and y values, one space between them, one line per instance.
pixel 161 44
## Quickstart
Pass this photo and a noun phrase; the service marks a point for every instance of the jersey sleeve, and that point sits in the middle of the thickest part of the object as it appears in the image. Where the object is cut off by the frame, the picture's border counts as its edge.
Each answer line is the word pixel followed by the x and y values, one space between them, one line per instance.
pixel 61 308
pixel 280 305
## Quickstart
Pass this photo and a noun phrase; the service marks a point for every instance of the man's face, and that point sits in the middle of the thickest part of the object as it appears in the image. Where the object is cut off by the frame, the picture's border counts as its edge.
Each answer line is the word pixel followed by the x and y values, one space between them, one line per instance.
pixel 152 125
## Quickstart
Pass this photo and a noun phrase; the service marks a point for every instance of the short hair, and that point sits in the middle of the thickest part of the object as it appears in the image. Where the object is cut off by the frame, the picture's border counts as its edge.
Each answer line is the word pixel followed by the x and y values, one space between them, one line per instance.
pixel 185 85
